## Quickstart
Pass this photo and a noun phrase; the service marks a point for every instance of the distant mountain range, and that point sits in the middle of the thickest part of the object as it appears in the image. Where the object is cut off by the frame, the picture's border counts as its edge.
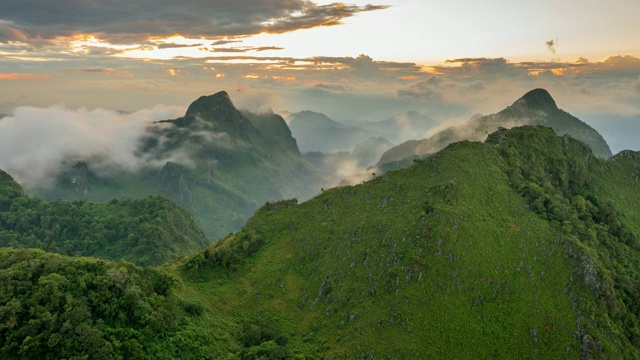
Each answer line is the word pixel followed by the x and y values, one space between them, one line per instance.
pixel 403 127
pixel 221 164
pixel 536 107
pixel 317 132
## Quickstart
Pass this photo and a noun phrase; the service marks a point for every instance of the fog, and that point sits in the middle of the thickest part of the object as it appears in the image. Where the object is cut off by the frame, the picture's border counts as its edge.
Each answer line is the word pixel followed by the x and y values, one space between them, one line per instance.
pixel 35 142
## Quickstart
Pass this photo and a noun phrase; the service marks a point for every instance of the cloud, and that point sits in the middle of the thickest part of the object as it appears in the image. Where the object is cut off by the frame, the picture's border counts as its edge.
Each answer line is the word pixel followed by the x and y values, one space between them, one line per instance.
pixel 106 71
pixel 138 20
pixel 36 142
pixel 176 46
pixel 618 66
pixel 347 88
pixel 489 84
pixel 95 70
pixel 467 67
pixel 242 49
pixel 551 45
pixel 256 100
pixel 225 42
pixel 434 89
pixel 23 76
pixel 9 32
pixel 331 87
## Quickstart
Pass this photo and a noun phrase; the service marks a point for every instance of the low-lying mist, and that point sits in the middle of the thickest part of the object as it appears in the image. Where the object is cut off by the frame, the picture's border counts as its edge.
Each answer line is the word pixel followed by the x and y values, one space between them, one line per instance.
pixel 36 142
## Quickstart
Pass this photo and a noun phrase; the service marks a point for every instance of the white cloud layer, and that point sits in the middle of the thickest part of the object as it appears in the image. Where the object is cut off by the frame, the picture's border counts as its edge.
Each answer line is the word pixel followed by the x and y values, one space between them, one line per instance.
pixel 34 142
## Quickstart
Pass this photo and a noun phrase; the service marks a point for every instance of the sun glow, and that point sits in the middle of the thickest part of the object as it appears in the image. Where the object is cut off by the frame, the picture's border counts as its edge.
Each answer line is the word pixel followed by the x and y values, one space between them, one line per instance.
pixel 84 42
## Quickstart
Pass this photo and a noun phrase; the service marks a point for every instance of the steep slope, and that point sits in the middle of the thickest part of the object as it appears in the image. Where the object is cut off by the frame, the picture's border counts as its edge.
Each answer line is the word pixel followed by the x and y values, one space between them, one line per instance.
pixel 505 249
pixel 147 231
pixel 536 107
pixel 217 162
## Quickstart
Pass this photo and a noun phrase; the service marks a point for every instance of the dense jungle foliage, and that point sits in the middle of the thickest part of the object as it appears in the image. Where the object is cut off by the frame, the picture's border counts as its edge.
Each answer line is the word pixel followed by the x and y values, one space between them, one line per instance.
pixel 147 231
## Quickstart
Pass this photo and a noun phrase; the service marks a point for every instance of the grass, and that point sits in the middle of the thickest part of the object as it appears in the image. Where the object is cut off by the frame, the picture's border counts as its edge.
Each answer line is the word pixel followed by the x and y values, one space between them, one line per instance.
pixel 372 270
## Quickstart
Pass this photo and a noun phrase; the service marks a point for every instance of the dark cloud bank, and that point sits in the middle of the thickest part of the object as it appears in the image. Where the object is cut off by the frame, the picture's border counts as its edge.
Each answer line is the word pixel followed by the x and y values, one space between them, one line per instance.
pixel 35 21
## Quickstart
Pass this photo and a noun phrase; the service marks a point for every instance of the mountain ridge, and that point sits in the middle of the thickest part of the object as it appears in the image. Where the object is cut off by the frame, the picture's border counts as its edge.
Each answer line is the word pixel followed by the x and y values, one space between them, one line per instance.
pixel 536 107
pixel 482 247
pixel 216 161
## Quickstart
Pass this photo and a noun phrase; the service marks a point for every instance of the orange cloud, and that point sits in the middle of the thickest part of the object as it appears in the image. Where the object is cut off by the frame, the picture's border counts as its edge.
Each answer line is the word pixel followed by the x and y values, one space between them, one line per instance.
pixel 408 77
pixel 23 76
pixel 285 78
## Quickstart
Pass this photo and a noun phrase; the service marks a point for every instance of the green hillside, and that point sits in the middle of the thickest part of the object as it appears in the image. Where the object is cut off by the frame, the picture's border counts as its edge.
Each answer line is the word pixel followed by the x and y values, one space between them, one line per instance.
pixel 147 231
pixel 499 250
pixel 524 246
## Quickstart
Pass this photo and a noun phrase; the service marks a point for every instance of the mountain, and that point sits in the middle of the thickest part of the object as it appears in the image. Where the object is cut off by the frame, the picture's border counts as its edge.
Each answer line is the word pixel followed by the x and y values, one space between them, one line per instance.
pixel 536 107
pixel 317 132
pixel 147 231
pixel 521 246
pixel 219 163
pixel 525 245
pixel 490 237
pixel 402 127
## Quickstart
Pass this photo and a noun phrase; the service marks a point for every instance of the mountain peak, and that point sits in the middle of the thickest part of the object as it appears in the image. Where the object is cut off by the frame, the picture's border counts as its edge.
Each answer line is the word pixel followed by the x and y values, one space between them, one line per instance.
pixel 219 102
pixel 538 99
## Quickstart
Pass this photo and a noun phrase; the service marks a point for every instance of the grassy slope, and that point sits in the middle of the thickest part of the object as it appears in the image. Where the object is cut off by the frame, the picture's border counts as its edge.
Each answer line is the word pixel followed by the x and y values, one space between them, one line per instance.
pixel 440 259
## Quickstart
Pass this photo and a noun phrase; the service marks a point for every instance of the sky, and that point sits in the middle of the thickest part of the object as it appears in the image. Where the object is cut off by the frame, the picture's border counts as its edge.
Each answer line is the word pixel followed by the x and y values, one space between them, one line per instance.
pixel 355 61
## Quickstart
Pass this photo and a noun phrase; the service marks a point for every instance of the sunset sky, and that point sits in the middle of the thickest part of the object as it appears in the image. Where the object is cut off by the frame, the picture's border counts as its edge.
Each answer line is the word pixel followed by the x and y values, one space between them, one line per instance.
pixel 355 61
